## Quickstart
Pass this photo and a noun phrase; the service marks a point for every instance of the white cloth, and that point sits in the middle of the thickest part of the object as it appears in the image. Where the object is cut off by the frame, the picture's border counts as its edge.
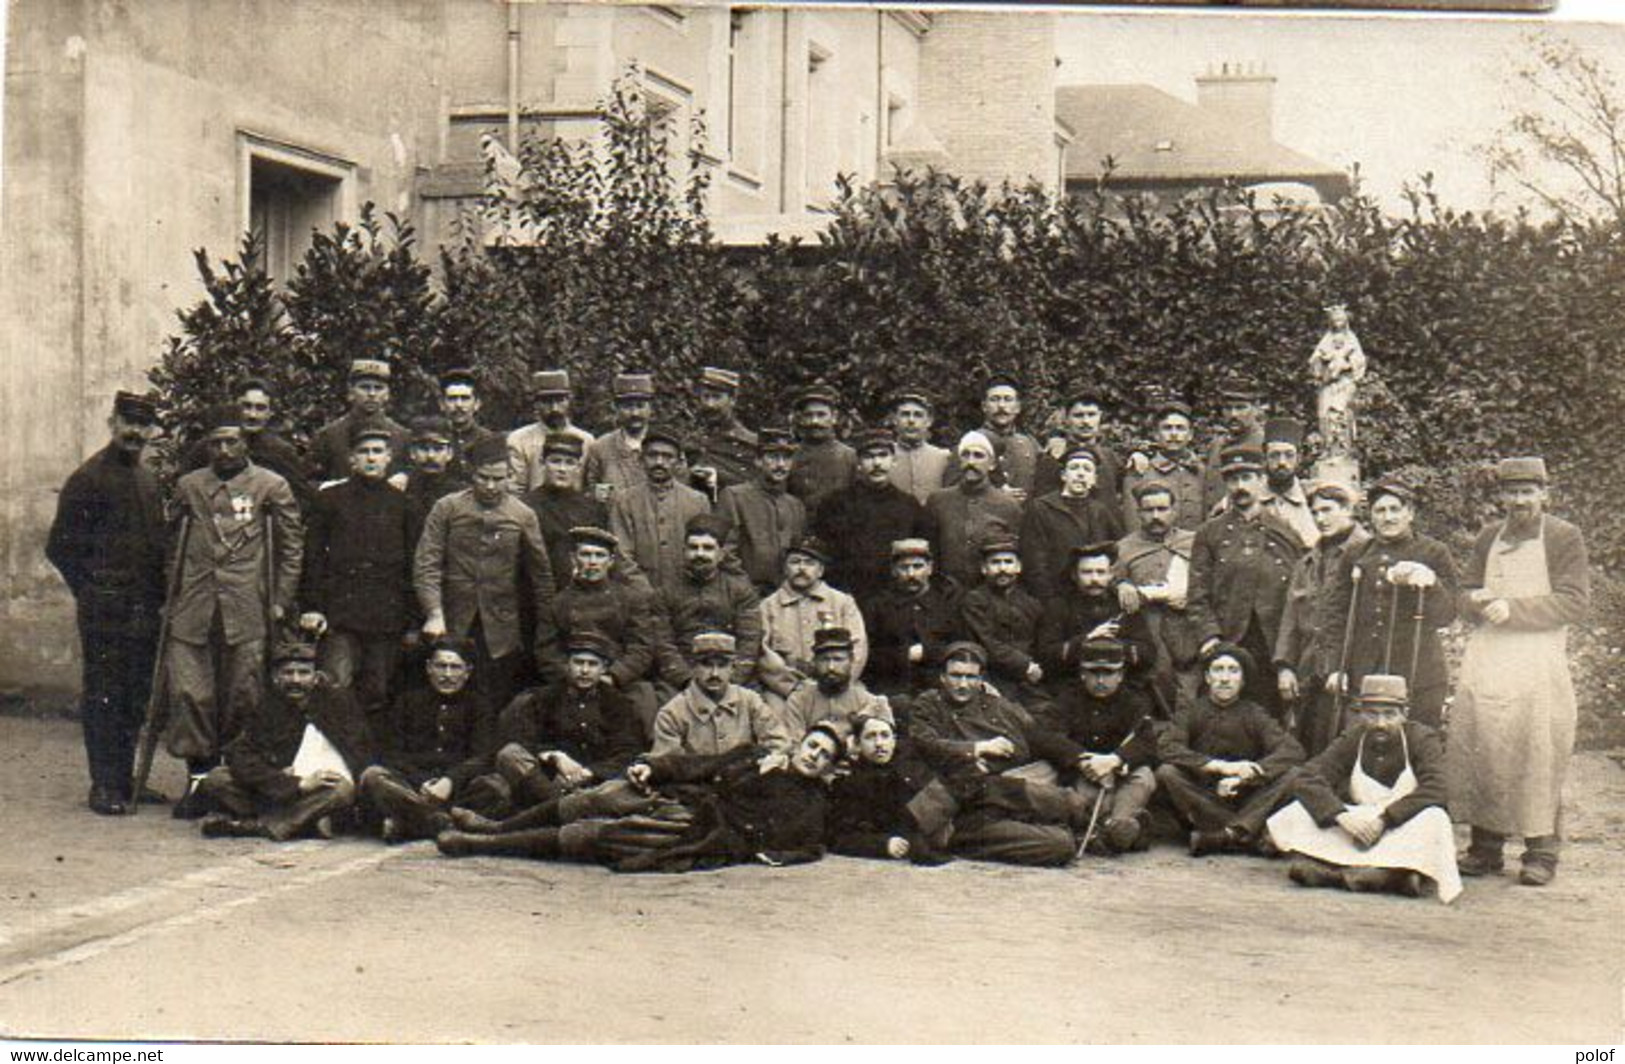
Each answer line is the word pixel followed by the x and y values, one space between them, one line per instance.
pixel 1512 726
pixel 1425 843
pixel 316 753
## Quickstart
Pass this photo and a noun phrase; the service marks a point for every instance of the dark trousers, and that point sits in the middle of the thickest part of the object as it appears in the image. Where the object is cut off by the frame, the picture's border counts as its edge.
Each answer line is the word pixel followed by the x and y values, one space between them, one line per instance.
pixel 1015 842
pixel 118 663
pixel 499 679
pixel 1317 714
pixel 416 815
pixel 365 661
pixel 282 820
pixel 1201 808
pixel 1261 686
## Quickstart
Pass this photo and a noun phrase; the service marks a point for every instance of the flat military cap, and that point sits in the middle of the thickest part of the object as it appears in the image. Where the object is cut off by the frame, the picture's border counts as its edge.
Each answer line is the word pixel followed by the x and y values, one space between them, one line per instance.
pixel 1283 430
pixel 550 382
pixel 1402 490
pixel 431 428
pixel 1377 689
pixel 370 428
pixel 1164 407
pixel 965 648
pixel 633 386
pixel 832 638
pixel 999 542
pixel 812 547
pixel 1104 548
pixel 874 438
pixel 817 393
pixel 369 369
pixel 1102 655
pixel 293 650
pixel 1085 393
pixel 488 450
pixel 707 525
pixel 222 418
pixel 598 537
pixel 458 375
pixel 1240 459
pixel 1001 379
pixel 775 439
pixel 1235 653
pixel 563 443
pixel 135 408
pixel 591 642
pixel 713 645
pixel 1529 469
pixel 462 646
pixel 1082 450
pixel 1236 390
pixel 716 377
pixel 909 395
pixel 1337 491
pixel 910 548
pixel 662 434
pixel 1154 486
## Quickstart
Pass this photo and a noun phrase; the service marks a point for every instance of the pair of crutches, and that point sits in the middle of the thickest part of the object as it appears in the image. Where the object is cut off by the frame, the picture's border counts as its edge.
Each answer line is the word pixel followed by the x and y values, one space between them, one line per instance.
pixel 1341 695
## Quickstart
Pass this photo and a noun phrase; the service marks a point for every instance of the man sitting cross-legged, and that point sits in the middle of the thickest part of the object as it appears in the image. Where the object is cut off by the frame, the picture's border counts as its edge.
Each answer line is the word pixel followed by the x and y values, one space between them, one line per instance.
pixel 1370 812
pixel 702 811
pixel 293 768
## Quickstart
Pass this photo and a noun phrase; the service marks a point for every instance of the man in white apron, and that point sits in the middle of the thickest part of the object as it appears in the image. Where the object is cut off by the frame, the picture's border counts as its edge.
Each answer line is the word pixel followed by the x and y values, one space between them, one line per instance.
pixel 1512 727
pixel 1370 814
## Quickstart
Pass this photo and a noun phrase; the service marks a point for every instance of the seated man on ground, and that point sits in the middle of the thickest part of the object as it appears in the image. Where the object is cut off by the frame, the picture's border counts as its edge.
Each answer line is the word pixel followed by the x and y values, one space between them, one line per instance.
pixel 293 768
pixel 437 744
pixel 1226 763
pixel 833 695
pixel 1003 616
pixel 1099 736
pixel 890 805
pixel 713 715
pixel 1370 810
pixel 748 804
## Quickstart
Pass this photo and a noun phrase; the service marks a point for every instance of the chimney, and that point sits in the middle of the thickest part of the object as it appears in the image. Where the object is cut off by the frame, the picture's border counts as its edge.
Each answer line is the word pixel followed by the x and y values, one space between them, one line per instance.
pixel 1242 96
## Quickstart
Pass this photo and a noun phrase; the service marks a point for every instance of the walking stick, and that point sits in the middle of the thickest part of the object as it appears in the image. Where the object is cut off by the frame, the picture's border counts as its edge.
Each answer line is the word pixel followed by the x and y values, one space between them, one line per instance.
pixel 1416 640
pixel 157 715
pixel 1340 694
pixel 1094 817
pixel 1393 623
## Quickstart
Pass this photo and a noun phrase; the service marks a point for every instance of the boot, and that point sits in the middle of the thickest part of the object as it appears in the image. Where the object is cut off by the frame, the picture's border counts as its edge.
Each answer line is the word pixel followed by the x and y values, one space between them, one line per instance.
pixel 193 805
pixel 1308 872
pixel 1483 856
pixel 1539 861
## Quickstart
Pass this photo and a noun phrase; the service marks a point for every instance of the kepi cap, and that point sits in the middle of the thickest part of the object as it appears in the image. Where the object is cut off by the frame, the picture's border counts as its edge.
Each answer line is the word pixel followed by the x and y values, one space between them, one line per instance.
pixel 1283 430
pixel 550 382
pixel 717 377
pixel 910 548
pixel 1102 655
pixel 135 408
pixel 1240 459
pixel 1529 469
pixel 875 438
pixel 633 386
pixel 832 638
pixel 488 450
pixel 563 443
pixel 293 650
pixel 1378 689
pixel 599 537
pixel 713 645
pixel 369 368
pixel 591 642
pixel 431 428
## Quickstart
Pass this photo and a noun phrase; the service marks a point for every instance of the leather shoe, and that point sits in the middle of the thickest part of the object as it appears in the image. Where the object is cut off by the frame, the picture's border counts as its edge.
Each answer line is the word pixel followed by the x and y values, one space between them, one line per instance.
pixel 457 843
pixel 192 806
pixel 1308 872
pixel 105 803
pixel 1479 863
pixel 1206 842
pixel 1537 873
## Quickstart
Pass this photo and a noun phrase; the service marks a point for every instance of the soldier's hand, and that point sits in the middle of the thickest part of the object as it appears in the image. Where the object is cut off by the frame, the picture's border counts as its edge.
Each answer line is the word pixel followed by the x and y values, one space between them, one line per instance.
pixel 1105 630
pixel 438 788
pixel 1363 825
pixel 897 848
pixel 1229 787
pixel 1017 494
pixel 277 613
pixel 1129 597
pixel 916 653
pixel 1498 612
pixel 1101 767
pixel 398 481
pixel 1035 672
pixel 434 626
pixel 314 623
pixel 638 776
pixel 999 746
pixel 1287 684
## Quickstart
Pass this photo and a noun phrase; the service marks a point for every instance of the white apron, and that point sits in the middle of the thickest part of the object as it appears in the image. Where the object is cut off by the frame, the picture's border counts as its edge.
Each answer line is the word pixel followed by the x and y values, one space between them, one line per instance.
pixel 1425 843
pixel 1512 726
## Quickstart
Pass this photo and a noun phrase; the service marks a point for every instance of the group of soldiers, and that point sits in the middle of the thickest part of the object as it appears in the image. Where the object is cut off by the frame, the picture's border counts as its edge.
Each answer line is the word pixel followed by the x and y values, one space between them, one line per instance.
pixel 658 649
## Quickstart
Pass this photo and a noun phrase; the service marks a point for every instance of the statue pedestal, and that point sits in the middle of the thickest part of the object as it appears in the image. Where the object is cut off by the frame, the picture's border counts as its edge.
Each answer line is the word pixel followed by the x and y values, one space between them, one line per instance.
pixel 1339 468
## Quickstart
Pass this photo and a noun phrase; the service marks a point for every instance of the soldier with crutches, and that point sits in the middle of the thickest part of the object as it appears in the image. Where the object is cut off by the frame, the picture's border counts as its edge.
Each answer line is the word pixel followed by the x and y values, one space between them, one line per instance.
pixel 1406 594
pixel 238 572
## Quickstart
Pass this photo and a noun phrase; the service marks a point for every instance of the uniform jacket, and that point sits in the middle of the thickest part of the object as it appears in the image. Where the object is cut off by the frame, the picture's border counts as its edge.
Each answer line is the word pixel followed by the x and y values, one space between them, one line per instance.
pixel 107 541
pixel 729 449
pixel 870 805
pixel 557 511
pixel 859 525
pixel 224 565
pixel 963 521
pixel 1181 472
pixel 726 602
pixel 1242 731
pixel 1108 474
pixel 1213 490
pixel 1308 641
pixel 762 526
pixel 615 608
pixel 1240 570
pixel 614 459
pixel 1144 561
pixel 1006 624
pixel 428 735
pixel 330 448
pixel 789 619
pixel 1077 723
pixel 895 621
pixel 474 563
pixel 462 442
pixel 1375 623
pixel 1323 785
pixel 921 470
pixel 597 728
pixel 822 470
pixel 260 755
pixel 423 490
pixel 650 525
pixel 691 723
pixel 267 449
pixel 1068 619
pixel 1570 573
pixel 525 453
pixel 1016 457
pixel 807 705
pixel 1051 526
pixel 358 557
pixel 946 734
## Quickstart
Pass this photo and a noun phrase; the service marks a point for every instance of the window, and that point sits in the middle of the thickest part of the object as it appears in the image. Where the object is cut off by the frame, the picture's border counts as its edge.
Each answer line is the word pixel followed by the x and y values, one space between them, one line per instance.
pixel 291 193
pixel 823 135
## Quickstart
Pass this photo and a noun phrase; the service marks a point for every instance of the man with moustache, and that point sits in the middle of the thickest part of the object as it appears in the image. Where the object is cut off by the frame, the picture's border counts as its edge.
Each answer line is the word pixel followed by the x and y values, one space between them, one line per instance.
pixel 649 522
pixel 724 450
pixel 460 406
pixel 764 519
pixel 267 448
pixel 890 805
pixel 1241 406
pixel 560 505
pixel 1370 810
pixel 1407 592
pixel 615 459
pixel 921 467
pixel 1512 726
pixel 713 715
pixel 1089 609
pixel 1003 617
pixel 369 401
pixel 1015 452
pixel 970 511
pixel 1153 570
pixel 1173 463
pixel 910 623
pixel 1307 651
pixel 107 541
pixel 860 524
pixel 1241 563
pixel 429 473
pixel 1081 424
pixel 708 599
pixel 835 695
pixel 824 466
pixel 1283 440
pixel 1054 525
pixel 550 392
pixel 794 614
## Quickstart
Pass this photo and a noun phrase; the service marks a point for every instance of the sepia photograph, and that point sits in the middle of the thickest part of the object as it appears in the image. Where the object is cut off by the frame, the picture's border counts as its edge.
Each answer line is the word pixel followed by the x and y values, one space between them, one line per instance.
pixel 596 523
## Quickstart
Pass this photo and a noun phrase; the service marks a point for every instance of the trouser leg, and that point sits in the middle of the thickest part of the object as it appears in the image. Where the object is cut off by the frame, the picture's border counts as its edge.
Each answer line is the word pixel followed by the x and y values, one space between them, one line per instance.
pixel 243 677
pixel 522 771
pixel 296 818
pixel 221 790
pixel 1427 705
pixel 933 810
pixel 1014 842
pixel 1261 684
pixel 1265 800
pixel 645 704
pixel 130 707
pixel 98 708
pixel 1132 793
pixel 415 816
pixel 1197 805
pixel 380 665
pixel 341 657
pixel 191 681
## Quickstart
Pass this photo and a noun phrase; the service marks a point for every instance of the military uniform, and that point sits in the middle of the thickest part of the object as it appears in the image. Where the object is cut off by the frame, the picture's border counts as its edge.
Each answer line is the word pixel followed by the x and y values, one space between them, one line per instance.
pixel 921 469
pixel 858 526
pixel 268 450
pixel 1051 527
pixel 1108 471
pixel 1016 455
pixel 1005 622
pixel 963 521
pixel 724 602
pixel 895 620
pixel 1070 616
pixel 557 511
pixel 1308 643
pixel 1213 490
pixel 1242 731
pixel 615 460
pixel 821 471
pixel 1182 473
pixel 692 723
pixel 1146 562
pixel 650 524
pixel 762 525
pixel 525 446
pixel 429 735
pixel 107 541
pixel 729 449
pixel 330 448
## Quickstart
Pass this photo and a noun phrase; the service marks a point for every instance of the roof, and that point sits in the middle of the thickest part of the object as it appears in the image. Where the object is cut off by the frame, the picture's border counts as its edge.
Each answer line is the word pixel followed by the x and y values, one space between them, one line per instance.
pixel 1129 122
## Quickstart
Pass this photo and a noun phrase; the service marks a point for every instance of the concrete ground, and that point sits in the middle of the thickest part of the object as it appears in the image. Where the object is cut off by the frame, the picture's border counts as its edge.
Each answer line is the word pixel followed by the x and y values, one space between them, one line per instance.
pixel 140 928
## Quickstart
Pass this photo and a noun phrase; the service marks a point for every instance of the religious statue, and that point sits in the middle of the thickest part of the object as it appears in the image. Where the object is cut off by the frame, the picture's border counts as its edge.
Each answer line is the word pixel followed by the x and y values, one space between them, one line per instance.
pixel 1337 366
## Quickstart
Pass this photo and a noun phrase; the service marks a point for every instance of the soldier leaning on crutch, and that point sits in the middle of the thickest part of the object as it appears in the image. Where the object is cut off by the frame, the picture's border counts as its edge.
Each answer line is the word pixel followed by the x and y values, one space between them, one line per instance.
pixel 238 576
